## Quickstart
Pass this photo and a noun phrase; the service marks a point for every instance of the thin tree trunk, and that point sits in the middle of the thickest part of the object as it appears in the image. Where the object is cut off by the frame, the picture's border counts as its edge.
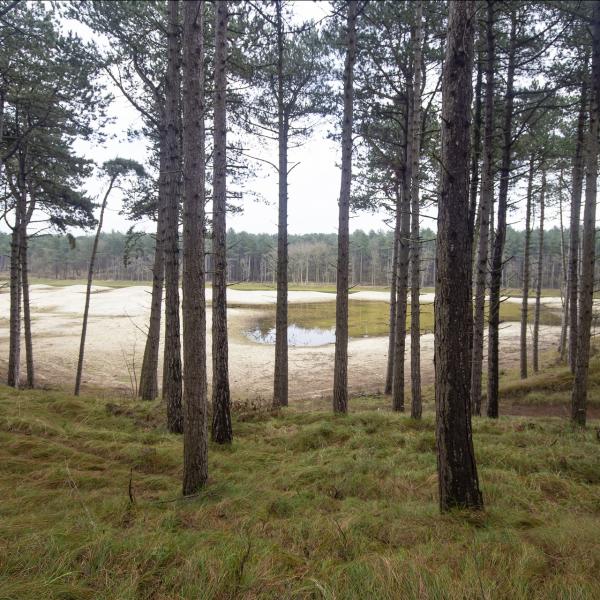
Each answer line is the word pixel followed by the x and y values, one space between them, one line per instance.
pixel 574 224
pixel 389 378
pixel 415 242
pixel 172 357
pixel 563 284
pixel 195 399
pixel 498 249
pixel 457 472
pixel 525 300
pixel 148 389
pixel 88 289
pixel 340 373
pixel 538 289
pixel 485 208
pixel 588 256
pixel 221 421
pixel 404 207
pixel 280 380
pixel 27 309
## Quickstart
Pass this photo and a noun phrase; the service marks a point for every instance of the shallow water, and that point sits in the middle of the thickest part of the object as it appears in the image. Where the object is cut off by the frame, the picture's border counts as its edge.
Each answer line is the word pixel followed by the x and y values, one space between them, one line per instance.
pixel 297 336
pixel 313 324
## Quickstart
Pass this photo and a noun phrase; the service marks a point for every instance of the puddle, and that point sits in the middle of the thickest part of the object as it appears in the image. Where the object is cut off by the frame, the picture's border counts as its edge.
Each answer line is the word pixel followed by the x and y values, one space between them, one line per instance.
pixel 297 336
pixel 313 324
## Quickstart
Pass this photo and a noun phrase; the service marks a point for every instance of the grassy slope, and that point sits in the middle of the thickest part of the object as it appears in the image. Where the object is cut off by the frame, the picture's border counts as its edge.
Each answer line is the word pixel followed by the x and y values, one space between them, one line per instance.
pixel 303 505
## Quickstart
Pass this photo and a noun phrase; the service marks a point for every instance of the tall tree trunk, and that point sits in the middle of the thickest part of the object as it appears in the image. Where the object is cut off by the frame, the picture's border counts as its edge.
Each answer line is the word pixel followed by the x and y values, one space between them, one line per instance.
pixel 195 400
pixel 26 304
pixel 485 208
pixel 564 325
pixel 538 287
pixel 88 289
pixel 340 373
pixel 403 208
pixel 498 249
pixel 476 142
pixel 280 380
pixel 415 242
pixel 221 421
pixel 148 389
pixel 457 472
pixel 526 249
pixel 574 223
pixel 389 377
pixel 588 256
pixel 172 357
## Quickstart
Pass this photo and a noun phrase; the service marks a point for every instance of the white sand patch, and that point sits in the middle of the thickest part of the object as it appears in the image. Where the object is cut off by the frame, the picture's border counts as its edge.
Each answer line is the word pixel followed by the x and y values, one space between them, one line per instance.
pixel 118 320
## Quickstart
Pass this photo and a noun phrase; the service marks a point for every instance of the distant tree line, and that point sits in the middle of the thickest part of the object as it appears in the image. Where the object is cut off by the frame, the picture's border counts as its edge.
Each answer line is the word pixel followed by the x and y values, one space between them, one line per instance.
pixel 252 257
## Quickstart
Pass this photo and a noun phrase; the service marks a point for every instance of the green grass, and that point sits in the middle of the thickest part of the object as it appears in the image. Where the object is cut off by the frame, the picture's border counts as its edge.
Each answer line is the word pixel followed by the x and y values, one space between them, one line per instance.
pixel 370 318
pixel 113 283
pixel 302 505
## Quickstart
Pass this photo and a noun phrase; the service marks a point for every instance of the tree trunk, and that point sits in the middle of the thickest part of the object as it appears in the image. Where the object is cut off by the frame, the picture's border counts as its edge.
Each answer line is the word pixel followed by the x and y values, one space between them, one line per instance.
pixel 340 373
pixel 389 378
pixel 27 309
pixel 415 242
pixel 574 224
pixel 403 260
pixel 195 400
pixel 485 208
pixel 476 143
pixel 498 249
pixel 88 289
pixel 280 380
pixel 148 389
pixel 564 325
pixel 538 288
pixel 457 472
pixel 525 301
pixel 221 422
pixel 172 357
pixel 588 256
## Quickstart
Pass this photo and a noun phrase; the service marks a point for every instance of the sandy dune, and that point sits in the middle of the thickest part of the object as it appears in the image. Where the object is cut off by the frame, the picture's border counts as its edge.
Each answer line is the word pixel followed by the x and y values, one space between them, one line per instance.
pixel 116 342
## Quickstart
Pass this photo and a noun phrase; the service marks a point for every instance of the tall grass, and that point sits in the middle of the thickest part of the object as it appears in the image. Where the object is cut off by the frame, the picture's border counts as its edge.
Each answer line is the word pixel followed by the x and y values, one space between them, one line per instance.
pixel 302 505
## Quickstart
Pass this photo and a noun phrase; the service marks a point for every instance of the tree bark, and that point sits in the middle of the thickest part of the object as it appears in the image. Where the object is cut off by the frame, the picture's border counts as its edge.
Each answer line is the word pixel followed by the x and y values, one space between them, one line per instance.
pixel 148 389
pixel 485 208
pixel 27 307
pixel 476 142
pixel 588 256
pixel 280 379
pixel 526 250
pixel 403 208
pixel 389 378
pixel 221 421
pixel 195 400
pixel 575 224
pixel 415 241
pixel 88 289
pixel 457 472
pixel 564 325
pixel 172 356
pixel 498 248
pixel 340 373
pixel 538 288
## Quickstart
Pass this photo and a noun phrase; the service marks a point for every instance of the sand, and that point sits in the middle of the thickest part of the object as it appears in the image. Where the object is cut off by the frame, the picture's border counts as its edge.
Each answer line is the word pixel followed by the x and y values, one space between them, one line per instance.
pixel 116 336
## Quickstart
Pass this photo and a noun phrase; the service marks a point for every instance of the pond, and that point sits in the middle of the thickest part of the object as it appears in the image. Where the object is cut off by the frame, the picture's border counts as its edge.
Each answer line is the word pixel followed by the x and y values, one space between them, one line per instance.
pixel 313 323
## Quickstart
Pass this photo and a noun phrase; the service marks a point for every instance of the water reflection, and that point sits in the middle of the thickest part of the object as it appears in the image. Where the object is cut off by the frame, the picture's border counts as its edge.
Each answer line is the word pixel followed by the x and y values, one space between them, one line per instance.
pixel 297 336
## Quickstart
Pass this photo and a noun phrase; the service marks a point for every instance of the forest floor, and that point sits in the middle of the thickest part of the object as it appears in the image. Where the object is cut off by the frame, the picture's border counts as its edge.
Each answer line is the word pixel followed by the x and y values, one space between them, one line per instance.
pixel 301 505
pixel 116 336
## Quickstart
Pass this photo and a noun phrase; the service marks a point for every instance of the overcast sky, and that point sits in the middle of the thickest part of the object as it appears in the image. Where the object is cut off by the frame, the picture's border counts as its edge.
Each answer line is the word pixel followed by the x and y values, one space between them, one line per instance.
pixel 313 184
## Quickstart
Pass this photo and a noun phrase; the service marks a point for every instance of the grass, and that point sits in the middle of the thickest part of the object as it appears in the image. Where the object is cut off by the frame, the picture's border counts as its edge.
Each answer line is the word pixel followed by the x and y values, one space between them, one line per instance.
pixel 370 318
pixel 302 505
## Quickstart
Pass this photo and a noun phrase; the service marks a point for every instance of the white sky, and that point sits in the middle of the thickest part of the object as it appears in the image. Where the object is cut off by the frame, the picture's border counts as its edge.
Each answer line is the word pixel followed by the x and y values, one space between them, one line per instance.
pixel 313 184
